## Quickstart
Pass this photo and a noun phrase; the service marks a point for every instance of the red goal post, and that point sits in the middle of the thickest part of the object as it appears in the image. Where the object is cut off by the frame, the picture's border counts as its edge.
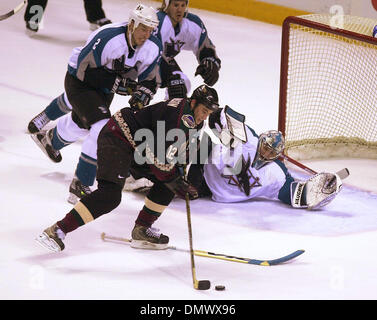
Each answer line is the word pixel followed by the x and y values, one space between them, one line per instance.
pixel 328 87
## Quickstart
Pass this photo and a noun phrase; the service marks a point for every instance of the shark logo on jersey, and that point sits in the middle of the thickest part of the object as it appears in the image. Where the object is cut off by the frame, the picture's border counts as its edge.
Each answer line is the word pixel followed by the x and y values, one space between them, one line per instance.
pixel 172 48
pixel 119 65
pixel 254 182
pixel 245 179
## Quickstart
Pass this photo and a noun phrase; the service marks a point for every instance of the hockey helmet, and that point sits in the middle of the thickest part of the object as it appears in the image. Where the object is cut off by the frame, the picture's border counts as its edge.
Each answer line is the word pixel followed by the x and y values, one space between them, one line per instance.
pixel 271 145
pixel 145 15
pixel 207 96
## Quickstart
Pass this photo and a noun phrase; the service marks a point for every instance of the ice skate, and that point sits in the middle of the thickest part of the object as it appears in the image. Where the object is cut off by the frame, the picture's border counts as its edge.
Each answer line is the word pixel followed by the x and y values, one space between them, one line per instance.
pixel 148 238
pixel 99 23
pixel 140 185
pixel 77 190
pixel 51 238
pixel 38 122
pixel 43 140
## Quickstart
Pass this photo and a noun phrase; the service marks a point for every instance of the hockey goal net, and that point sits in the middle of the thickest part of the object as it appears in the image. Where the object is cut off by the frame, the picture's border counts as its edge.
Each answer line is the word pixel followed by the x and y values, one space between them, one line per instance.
pixel 328 87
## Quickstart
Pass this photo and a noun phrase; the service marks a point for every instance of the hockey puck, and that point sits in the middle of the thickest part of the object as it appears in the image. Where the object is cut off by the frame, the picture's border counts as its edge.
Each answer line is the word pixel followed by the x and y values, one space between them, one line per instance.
pixel 220 288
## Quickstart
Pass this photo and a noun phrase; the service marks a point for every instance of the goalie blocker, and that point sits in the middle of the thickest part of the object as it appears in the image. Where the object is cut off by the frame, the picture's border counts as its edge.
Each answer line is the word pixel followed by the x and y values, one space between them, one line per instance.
pixel 317 191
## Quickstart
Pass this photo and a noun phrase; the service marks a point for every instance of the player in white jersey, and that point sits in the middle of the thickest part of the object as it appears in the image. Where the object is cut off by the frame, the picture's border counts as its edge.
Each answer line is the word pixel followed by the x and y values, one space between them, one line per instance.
pixel 247 166
pixel 179 30
pixel 113 58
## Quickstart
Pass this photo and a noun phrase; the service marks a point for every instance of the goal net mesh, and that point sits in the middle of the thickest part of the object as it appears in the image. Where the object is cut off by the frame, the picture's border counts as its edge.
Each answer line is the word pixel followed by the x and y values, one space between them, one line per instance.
pixel 328 107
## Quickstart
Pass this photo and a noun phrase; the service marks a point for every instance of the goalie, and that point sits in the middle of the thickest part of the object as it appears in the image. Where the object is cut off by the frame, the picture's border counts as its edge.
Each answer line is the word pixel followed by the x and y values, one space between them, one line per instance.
pixel 246 166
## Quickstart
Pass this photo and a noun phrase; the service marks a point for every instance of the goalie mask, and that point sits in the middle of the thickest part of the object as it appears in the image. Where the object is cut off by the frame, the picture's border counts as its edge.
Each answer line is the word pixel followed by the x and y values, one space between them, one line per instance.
pixel 270 146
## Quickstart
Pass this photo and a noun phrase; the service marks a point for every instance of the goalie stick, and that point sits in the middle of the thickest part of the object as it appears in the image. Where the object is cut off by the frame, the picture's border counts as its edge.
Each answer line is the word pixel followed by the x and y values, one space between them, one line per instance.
pixel 220 256
pixel 343 173
pixel 12 12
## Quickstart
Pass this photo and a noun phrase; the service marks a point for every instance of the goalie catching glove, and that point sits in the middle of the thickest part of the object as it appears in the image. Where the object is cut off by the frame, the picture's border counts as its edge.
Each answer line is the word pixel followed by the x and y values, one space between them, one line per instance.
pixel 316 192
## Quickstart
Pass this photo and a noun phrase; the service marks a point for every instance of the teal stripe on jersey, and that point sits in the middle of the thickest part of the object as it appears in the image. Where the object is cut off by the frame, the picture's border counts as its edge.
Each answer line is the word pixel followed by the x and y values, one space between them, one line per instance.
pixel 99 42
pixel 156 61
pixel 194 18
pixel 161 16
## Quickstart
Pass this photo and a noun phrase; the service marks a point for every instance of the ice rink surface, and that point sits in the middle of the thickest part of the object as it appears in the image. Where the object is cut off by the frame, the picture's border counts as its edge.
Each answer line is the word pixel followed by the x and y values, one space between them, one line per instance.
pixel 340 241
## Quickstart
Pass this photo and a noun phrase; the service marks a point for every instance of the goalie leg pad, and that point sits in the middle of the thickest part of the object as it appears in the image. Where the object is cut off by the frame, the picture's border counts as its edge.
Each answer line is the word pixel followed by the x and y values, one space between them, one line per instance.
pixel 316 192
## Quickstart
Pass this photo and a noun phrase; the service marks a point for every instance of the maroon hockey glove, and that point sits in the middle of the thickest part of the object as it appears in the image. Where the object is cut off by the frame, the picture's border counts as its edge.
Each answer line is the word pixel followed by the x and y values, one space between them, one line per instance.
pixel 180 187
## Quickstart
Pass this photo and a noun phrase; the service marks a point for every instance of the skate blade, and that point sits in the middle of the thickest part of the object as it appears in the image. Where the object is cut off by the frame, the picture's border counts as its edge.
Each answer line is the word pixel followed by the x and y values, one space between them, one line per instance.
pixel 40 145
pixel 47 243
pixel 73 199
pixel 142 244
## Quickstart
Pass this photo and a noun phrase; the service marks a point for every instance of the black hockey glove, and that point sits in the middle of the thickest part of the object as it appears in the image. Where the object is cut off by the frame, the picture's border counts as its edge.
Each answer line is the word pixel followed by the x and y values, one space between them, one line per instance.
pixel 140 98
pixel 209 69
pixel 180 187
pixel 124 86
pixel 176 87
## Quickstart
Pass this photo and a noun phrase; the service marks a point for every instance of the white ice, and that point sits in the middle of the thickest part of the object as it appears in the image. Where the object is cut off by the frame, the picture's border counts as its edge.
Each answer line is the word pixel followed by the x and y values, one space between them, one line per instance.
pixel 340 261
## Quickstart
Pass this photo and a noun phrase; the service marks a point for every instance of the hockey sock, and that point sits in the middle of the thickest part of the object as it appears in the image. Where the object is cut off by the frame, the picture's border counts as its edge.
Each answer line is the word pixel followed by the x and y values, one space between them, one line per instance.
pixel 150 213
pixel 57 108
pixel 57 141
pixel 86 169
pixel 158 198
pixel 72 220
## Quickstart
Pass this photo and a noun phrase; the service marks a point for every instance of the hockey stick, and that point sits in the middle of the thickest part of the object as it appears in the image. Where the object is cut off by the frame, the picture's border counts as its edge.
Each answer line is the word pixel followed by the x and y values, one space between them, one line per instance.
pixel 343 173
pixel 298 164
pixel 220 256
pixel 12 12
pixel 198 284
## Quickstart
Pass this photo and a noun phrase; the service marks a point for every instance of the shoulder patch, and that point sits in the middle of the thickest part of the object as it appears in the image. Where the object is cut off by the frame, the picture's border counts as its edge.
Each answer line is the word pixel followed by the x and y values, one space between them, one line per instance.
pixel 188 120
